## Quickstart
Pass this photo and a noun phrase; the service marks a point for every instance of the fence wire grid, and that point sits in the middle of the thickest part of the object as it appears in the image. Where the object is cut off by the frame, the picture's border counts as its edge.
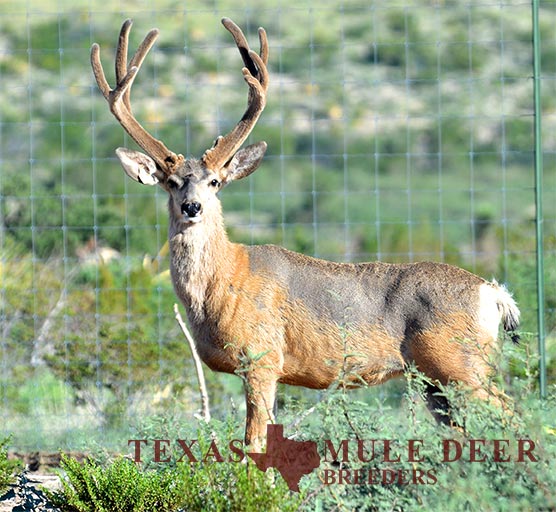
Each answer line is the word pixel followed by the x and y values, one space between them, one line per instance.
pixel 397 131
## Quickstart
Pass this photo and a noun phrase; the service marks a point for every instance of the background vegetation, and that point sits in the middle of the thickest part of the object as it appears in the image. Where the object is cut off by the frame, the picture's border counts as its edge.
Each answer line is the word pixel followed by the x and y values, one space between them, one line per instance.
pixel 399 131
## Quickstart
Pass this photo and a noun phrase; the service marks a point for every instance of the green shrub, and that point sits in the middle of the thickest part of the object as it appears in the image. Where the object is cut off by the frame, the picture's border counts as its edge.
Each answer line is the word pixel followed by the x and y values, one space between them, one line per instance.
pixel 122 486
pixel 433 483
pixel 219 486
pixel 490 484
pixel 460 484
pixel 117 487
pixel 236 487
pixel 8 468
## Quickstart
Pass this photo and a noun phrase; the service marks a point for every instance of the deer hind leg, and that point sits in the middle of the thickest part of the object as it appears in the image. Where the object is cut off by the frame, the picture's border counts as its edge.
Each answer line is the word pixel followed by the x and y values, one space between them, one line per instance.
pixel 491 394
pixel 438 404
pixel 481 368
pixel 465 360
pixel 442 408
pixel 477 383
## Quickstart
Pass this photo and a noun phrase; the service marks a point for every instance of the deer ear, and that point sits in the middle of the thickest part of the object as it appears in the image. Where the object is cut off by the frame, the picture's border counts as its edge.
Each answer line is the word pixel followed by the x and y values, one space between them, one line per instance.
pixel 138 166
pixel 244 162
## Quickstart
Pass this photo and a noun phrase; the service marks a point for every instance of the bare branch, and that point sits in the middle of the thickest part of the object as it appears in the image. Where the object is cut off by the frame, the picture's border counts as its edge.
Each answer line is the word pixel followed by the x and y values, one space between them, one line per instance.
pixel 198 365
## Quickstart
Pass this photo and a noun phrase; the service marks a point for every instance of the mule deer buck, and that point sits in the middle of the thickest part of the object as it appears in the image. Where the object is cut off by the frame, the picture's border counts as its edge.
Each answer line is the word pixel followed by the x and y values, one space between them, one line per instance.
pixel 309 322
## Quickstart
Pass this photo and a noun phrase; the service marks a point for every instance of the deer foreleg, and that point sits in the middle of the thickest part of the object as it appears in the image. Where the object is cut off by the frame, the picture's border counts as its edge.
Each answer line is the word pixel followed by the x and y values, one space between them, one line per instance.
pixel 260 394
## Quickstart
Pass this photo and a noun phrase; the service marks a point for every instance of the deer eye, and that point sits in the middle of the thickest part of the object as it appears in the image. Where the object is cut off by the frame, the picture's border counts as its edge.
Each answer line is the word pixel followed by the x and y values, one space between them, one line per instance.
pixel 214 183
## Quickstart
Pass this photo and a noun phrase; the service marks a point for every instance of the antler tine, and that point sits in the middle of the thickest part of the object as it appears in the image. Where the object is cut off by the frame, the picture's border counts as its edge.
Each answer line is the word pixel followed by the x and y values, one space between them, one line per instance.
pixel 98 71
pixel 255 74
pixel 263 45
pixel 121 51
pixel 243 45
pixel 119 98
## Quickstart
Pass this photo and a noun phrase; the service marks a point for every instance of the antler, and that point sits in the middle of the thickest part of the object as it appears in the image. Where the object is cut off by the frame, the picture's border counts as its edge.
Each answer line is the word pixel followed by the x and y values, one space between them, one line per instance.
pixel 119 98
pixel 256 76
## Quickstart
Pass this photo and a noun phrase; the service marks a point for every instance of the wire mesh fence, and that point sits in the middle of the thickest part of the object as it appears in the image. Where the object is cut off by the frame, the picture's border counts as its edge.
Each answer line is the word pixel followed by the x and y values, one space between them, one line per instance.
pixel 397 131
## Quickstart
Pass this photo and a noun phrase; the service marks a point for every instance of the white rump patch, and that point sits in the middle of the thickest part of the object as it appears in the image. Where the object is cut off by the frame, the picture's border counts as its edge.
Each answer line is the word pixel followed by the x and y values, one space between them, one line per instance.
pixel 495 304
pixel 489 311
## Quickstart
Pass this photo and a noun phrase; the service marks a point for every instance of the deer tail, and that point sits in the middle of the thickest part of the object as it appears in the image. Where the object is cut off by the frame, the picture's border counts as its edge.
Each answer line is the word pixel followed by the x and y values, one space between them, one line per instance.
pixel 509 311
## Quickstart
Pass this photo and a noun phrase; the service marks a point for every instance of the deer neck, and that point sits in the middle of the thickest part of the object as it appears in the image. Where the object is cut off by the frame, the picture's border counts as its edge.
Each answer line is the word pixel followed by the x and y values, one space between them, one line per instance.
pixel 200 257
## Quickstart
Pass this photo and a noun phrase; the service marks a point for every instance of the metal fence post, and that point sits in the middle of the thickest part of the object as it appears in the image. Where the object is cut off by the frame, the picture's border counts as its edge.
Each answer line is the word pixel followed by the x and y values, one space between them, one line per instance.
pixel 538 198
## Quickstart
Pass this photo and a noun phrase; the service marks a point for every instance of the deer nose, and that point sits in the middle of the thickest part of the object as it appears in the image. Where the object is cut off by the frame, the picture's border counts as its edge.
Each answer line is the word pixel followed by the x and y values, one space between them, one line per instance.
pixel 191 209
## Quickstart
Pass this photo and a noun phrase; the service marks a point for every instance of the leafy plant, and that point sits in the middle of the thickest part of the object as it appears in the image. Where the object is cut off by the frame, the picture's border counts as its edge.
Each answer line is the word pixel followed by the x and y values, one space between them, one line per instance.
pixel 8 468
pixel 394 478
pixel 433 480
pixel 117 487
pixel 122 485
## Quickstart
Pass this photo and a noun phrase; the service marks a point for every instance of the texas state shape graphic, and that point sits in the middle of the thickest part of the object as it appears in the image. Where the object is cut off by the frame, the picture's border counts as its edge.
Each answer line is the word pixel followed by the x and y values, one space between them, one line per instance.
pixel 292 459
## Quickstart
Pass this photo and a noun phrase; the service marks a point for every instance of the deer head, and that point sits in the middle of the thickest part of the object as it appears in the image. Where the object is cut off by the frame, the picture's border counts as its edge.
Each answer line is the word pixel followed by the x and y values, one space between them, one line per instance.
pixel 192 184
